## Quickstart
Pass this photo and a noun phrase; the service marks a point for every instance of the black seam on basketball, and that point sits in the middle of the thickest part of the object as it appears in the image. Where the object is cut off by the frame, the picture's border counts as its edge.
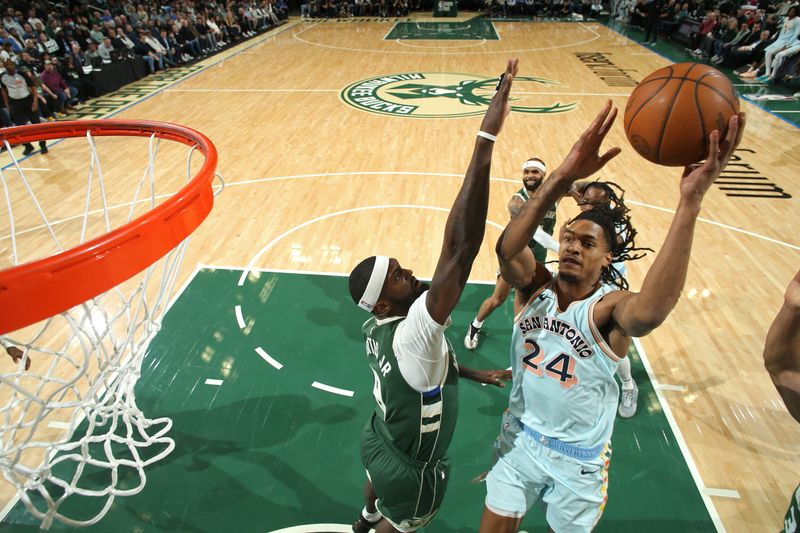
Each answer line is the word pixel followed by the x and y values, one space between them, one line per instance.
pixel 669 112
pixel 700 114
pixel 699 81
pixel 633 117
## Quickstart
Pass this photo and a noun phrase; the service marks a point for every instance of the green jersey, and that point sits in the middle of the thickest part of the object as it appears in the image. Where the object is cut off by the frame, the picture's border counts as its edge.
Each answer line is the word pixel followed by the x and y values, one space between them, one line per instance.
pixel 792 514
pixel 548 226
pixel 419 424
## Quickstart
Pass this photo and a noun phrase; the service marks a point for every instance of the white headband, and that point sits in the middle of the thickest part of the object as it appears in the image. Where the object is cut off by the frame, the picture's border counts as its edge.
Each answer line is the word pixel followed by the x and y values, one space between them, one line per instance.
pixel 376 279
pixel 534 164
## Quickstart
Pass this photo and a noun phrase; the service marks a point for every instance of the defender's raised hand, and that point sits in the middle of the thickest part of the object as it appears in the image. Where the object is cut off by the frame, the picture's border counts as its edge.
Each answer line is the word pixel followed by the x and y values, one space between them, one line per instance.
pixel 584 158
pixel 698 178
pixel 499 108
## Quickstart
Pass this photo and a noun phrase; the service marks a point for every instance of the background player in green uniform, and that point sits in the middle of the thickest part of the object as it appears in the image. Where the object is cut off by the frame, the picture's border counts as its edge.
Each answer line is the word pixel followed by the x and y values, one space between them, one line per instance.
pixel 782 359
pixel 404 444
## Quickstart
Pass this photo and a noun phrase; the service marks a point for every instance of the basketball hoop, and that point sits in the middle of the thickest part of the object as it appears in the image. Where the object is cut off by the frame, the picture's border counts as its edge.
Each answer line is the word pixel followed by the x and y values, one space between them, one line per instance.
pixel 84 316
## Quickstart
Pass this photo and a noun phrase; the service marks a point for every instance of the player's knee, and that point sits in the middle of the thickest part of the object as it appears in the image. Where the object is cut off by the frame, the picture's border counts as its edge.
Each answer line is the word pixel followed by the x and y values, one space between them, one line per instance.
pixel 495 302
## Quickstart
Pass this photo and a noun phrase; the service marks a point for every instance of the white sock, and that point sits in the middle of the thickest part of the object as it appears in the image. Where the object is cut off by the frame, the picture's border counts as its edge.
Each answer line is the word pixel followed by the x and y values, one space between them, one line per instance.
pixel 477 323
pixel 371 517
pixel 624 373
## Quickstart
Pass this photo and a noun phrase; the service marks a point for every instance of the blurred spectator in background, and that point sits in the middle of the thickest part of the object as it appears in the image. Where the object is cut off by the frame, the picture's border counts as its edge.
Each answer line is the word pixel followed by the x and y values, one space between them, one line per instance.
pixel 20 98
pixel 66 95
pixel 105 49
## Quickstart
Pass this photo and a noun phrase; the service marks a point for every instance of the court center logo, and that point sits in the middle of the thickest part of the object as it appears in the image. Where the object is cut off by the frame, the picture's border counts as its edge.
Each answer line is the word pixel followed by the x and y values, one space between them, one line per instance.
pixel 447 94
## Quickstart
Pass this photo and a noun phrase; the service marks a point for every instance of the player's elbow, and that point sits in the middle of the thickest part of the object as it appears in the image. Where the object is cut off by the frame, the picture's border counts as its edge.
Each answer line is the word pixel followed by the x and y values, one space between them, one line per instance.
pixel 778 359
pixel 645 323
pixel 503 253
pixel 771 363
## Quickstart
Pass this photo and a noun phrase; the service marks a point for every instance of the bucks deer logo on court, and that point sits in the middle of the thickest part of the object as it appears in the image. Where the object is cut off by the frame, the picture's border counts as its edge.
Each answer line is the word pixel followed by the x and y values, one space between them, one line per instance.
pixel 446 94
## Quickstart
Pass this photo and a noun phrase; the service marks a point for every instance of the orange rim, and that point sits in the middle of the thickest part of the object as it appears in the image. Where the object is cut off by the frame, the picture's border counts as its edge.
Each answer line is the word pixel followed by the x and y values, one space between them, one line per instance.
pixel 34 291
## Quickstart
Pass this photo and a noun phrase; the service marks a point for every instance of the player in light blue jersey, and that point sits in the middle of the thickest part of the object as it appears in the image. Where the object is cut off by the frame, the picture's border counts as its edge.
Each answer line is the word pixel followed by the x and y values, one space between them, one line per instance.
pixel 570 332
pixel 603 193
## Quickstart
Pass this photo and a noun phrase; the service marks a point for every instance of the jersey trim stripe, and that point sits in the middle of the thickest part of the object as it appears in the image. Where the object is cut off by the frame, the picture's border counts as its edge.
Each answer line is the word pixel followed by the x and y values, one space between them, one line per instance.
pixel 606 455
pixel 601 342
pixel 432 393
pixel 432 410
pixel 429 428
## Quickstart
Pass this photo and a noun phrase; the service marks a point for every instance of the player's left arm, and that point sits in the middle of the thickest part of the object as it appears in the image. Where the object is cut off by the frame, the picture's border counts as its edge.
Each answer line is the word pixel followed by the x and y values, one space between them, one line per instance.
pixel 782 349
pixel 466 223
pixel 488 377
pixel 637 314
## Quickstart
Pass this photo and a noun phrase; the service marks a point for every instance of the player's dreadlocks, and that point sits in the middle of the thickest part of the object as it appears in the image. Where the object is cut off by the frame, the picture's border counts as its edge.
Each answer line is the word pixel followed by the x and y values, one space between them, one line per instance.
pixel 618 230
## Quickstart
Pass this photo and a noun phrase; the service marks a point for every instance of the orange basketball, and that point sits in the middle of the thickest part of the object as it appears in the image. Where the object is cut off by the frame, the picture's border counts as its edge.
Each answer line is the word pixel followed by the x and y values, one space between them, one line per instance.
pixel 672 111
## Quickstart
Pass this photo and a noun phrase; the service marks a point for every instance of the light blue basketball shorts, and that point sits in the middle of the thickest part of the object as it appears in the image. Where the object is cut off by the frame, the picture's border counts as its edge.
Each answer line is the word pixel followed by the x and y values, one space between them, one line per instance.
pixel 572 492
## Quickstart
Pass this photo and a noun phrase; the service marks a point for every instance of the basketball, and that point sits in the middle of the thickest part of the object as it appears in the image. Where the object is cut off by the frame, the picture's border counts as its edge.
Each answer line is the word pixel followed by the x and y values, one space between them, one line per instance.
pixel 672 111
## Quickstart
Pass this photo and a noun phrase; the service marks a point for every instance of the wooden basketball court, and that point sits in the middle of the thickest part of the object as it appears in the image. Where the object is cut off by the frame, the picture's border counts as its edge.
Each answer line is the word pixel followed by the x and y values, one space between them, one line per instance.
pixel 338 140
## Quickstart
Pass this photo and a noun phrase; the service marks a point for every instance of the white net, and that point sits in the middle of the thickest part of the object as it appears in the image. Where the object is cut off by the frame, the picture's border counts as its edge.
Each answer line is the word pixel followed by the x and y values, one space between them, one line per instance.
pixel 71 435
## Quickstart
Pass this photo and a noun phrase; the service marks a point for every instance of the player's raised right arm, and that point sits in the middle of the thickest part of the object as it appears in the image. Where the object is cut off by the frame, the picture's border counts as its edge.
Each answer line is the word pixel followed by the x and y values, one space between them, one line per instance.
pixel 782 349
pixel 640 313
pixel 463 232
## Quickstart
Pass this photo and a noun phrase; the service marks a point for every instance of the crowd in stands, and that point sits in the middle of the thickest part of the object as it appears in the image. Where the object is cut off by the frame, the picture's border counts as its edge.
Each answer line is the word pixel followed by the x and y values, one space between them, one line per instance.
pixel 759 40
pixel 48 50
pixel 568 9
pixel 357 8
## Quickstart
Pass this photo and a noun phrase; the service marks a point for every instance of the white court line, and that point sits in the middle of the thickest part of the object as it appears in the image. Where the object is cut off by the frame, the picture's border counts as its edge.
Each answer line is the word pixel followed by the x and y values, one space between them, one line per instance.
pixel 723 493
pixel 288 232
pixel 568 94
pixel 534 93
pixel 215 382
pixel 36 169
pixel 239 317
pixel 334 390
pixel 679 388
pixel 776 111
pixel 390 31
pixel 252 91
pixel 687 456
pixel 318 273
pixel 268 358
pixel 395 173
pixel 634 202
pixel 316 528
pixel 58 425
pixel 443 51
pixel 471 45
pixel 10 505
pixel 720 224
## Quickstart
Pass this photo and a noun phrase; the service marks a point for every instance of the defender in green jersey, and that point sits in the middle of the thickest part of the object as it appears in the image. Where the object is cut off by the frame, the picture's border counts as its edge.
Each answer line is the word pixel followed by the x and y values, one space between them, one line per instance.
pixel 782 360
pixel 404 443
